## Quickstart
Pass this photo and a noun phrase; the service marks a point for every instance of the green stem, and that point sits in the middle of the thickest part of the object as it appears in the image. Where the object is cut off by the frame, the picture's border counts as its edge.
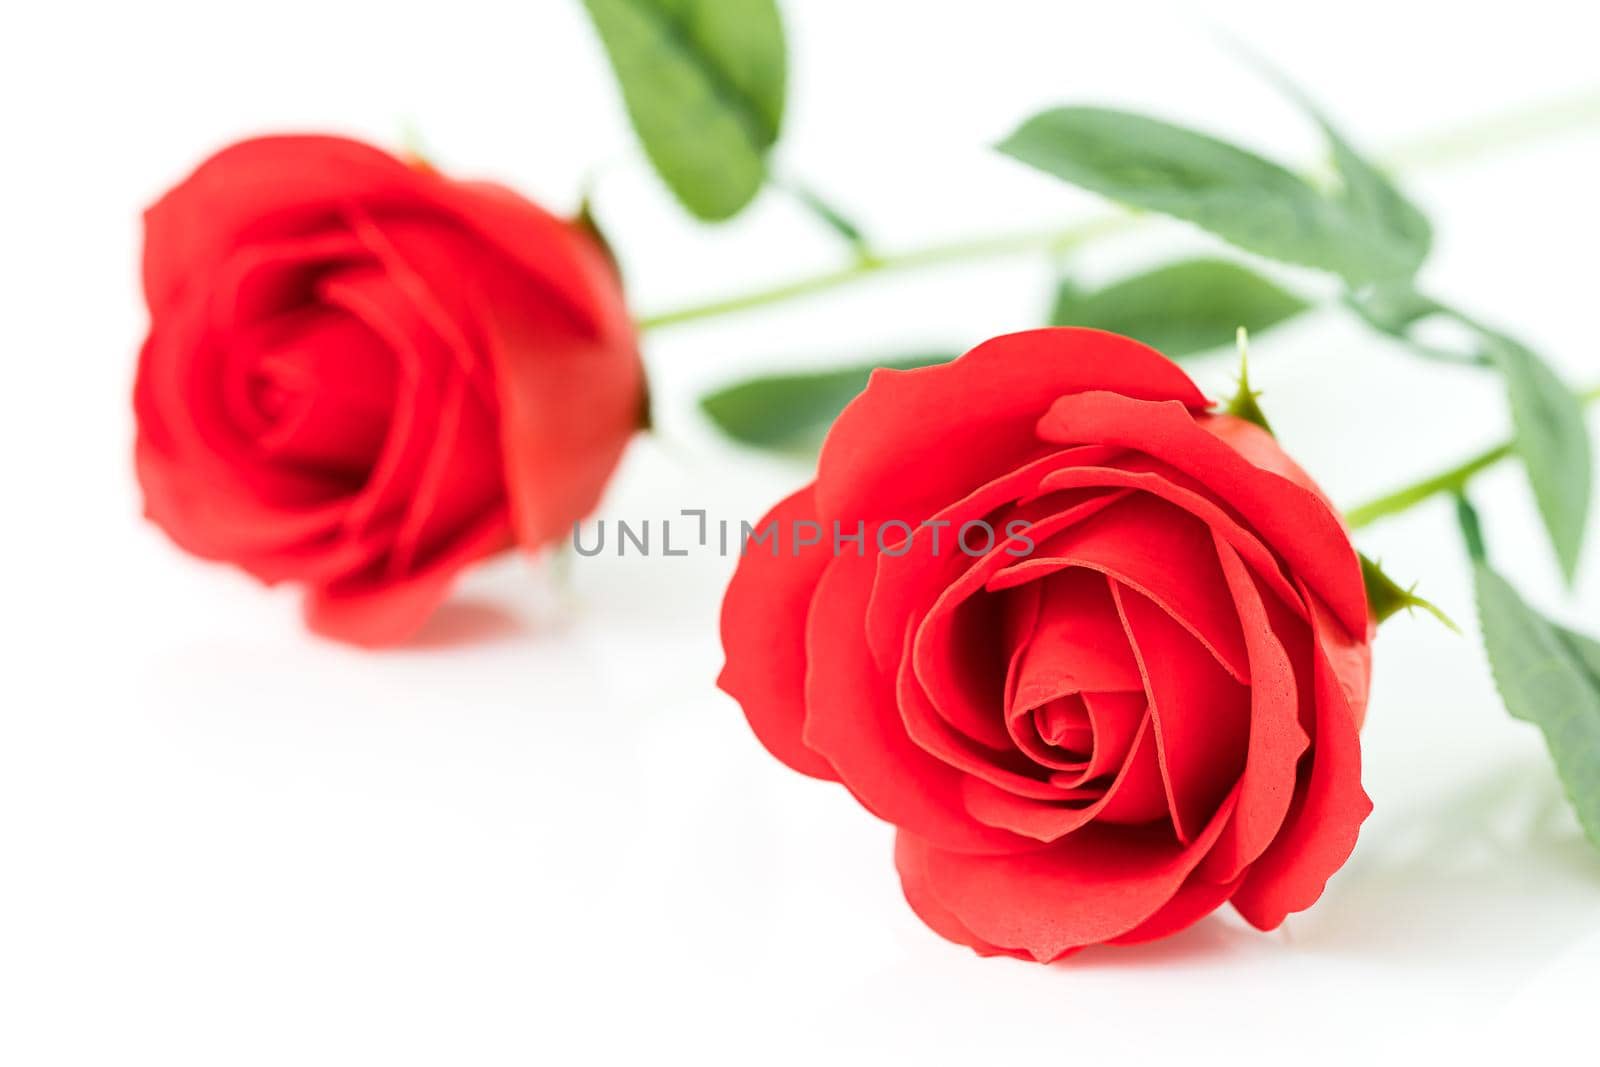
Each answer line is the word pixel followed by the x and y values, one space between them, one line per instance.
pixel 1509 129
pixel 1058 239
pixel 1446 481
pixel 1545 119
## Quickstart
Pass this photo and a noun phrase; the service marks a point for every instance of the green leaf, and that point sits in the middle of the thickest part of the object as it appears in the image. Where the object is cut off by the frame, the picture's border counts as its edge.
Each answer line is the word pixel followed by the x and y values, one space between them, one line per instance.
pixel 1397 226
pixel 1471 529
pixel 1551 436
pixel 1241 197
pixel 1366 193
pixel 703 81
pixel 1585 648
pixel 1552 441
pixel 1550 677
pixel 1181 308
pixel 792 412
pixel 1386 598
pixel 833 219
pixel 1399 310
pixel 1394 308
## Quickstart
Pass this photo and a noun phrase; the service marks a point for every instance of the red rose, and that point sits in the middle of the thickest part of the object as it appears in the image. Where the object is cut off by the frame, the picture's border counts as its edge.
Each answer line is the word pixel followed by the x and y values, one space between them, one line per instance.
pixel 363 376
pixel 1141 704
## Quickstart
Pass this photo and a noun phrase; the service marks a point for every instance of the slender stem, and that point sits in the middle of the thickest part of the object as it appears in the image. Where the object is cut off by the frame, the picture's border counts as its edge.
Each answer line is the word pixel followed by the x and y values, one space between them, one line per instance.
pixel 1446 481
pixel 1057 239
pixel 1509 129
pixel 1544 119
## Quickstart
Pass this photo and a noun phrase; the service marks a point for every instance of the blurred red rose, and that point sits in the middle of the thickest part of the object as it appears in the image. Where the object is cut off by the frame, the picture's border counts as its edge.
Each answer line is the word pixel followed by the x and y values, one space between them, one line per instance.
pixel 1144 706
pixel 363 376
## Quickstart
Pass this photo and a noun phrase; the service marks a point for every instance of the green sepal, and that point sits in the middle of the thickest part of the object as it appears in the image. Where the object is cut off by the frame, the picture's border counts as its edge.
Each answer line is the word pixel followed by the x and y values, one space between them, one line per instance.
pixel 1244 404
pixel 1387 598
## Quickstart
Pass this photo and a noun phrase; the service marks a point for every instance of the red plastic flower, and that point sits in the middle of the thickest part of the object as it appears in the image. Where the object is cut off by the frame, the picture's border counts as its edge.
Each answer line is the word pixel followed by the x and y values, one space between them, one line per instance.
pixel 362 376
pixel 1140 701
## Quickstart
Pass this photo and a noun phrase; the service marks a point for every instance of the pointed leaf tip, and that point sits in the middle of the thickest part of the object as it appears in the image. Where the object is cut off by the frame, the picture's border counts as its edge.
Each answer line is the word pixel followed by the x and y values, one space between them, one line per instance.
pixel 704 84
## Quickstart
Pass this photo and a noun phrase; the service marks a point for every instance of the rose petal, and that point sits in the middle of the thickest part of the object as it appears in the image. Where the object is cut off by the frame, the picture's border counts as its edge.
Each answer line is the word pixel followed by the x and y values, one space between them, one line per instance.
pixel 763 637
pixel 1009 769
pixel 915 440
pixel 1134 796
pixel 1116 718
pixel 1113 715
pixel 1077 644
pixel 1197 898
pixel 853 722
pixel 207 450
pixel 193 490
pixel 374 609
pixel 1202 717
pixel 1267 784
pixel 567 398
pixel 1139 794
pixel 1262 449
pixel 913 575
pixel 261 189
pixel 458 480
pixel 1325 817
pixel 565 257
pixel 263 279
pixel 333 386
pixel 1089 887
pixel 425 365
pixel 569 406
pixel 1301 527
pixel 1147 544
pixel 921 699
pixel 914 883
pixel 294 185
pixel 959 659
pixel 1139 472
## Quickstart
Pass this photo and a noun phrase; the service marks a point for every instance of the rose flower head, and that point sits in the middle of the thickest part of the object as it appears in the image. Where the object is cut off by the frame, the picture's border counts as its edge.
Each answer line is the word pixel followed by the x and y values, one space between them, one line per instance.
pixel 362 376
pixel 1099 654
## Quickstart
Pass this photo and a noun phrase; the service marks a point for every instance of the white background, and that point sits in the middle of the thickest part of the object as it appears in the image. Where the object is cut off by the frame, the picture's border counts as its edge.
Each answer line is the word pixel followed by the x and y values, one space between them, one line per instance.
pixel 541 835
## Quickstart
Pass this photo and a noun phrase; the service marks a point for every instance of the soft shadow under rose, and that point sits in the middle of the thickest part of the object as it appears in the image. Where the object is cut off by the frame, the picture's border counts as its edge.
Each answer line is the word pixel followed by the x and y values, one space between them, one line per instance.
pixel 1100 732
pixel 362 376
